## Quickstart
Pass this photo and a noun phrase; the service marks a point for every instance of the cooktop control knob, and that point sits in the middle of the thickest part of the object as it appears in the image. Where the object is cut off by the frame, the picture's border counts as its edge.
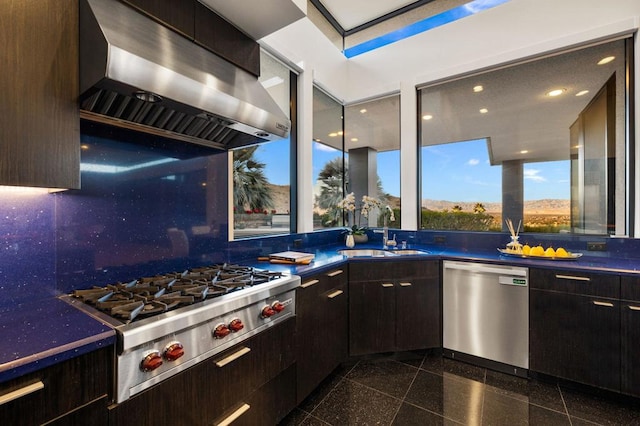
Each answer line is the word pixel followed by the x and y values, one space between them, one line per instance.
pixel 236 325
pixel 277 306
pixel 268 311
pixel 173 351
pixel 151 361
pixel 221 331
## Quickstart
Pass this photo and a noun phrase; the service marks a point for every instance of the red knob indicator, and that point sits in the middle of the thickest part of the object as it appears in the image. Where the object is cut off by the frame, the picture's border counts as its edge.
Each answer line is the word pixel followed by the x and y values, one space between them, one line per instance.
pixel 173 351
pixel 221 331
pixel 277 306
pixel 151 361
pixel 236 325
pixel 268 311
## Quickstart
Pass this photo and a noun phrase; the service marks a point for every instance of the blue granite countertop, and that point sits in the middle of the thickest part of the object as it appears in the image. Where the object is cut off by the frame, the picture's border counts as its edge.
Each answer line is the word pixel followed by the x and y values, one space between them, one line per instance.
pixel 50 331
pixel 46 332
pixel 327 257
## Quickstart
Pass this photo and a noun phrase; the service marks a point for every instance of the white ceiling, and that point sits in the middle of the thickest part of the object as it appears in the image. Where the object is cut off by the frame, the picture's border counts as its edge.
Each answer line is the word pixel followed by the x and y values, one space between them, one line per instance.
pixel 351 13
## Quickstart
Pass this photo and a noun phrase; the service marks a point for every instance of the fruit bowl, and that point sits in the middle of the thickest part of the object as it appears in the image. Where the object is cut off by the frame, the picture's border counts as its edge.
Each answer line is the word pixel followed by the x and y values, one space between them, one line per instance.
pixel 570 256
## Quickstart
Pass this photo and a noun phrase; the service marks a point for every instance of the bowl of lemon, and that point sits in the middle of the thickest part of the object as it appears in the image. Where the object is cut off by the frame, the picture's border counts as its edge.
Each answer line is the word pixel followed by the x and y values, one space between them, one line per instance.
pixel 540 252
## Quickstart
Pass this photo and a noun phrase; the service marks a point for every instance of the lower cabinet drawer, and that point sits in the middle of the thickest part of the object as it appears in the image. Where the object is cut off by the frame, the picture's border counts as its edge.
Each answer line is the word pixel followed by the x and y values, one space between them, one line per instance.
pixel 267 405
pixel 48 394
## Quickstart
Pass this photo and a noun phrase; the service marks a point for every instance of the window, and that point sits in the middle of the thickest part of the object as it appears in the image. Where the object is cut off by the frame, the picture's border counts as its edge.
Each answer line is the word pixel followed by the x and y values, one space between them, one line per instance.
pixel 372 140
pixel 328 160
pixel 262 173
pixel 541 142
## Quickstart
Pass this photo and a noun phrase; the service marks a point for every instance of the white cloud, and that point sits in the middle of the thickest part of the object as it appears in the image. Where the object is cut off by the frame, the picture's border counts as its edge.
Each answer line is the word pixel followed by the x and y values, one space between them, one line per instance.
pixel 322 147
pixel 533 174
pixel 473 162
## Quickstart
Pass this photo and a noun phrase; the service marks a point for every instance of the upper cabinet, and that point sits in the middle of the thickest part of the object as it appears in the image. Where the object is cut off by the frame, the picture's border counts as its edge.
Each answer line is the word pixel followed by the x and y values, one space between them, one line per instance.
pixel 199 23
pixel 40 130
pixel 225 40
pixel 176 14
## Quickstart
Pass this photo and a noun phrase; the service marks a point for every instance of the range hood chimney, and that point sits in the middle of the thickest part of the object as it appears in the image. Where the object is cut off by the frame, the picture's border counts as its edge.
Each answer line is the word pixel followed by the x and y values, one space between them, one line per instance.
pixel 138 74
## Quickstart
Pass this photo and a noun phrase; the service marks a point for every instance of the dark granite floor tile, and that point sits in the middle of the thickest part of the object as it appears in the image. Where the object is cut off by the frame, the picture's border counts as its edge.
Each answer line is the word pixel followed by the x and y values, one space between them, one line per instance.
pixel 601 410
pixel 453 397
pixel 575 421
pixel 351 403
pixel 499 409
pixel 313 421
pixel 320 393
pixel 439 365
pixel 294 418
pixel 543 394
pixel 410 415
pixel 390 377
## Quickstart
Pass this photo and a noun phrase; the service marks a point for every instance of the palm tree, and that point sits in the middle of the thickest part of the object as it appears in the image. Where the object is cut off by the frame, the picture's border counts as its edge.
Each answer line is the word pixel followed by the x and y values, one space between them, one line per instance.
pixel 331 188
pixel 479 208
pixel 251 188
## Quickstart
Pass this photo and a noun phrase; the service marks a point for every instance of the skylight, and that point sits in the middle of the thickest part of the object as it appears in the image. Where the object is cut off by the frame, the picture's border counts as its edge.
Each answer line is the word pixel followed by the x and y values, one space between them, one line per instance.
pixel 426 24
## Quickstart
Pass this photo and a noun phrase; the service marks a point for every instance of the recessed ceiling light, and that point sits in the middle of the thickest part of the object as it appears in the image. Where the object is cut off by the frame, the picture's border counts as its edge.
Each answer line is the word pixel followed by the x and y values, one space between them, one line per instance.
pixel 83 146
pixel 341 133
pixel 333 135
pixel 354 139
pixel 427 117
pixel 363 110
pixel 556 92
pixel 606 60
pixel 483 110
pixel 582 93
pixel 524 151
pixel 478 88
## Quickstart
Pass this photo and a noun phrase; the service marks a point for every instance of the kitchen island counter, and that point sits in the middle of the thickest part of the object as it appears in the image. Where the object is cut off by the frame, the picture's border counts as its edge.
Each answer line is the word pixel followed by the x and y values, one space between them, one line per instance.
pixel 43 333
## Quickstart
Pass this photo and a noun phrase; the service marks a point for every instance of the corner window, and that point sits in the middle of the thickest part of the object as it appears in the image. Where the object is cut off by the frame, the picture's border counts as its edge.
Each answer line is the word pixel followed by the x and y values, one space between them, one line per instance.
pixel 542 143
pixel 262 174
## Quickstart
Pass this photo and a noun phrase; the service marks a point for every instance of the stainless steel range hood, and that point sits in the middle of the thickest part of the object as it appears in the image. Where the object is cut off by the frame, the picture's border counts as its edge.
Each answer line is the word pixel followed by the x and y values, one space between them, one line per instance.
pixel 138 74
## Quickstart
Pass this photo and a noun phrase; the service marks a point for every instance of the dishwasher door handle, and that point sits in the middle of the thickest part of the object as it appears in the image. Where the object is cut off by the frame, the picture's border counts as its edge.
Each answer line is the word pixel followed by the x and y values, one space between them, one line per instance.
pixel 486 269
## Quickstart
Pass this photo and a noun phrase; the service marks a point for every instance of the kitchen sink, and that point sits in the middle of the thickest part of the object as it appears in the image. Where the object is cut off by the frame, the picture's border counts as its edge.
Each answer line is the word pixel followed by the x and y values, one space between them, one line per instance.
pixel 365 253
pixel 380 253
pixel 408 252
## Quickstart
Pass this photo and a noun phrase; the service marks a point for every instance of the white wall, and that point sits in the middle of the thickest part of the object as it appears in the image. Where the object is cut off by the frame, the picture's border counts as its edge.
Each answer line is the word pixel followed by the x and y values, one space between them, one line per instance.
pixel 510 32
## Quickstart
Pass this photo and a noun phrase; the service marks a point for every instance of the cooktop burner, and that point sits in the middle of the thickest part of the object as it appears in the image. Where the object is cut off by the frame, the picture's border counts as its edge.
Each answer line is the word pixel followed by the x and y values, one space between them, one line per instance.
pixel 150 296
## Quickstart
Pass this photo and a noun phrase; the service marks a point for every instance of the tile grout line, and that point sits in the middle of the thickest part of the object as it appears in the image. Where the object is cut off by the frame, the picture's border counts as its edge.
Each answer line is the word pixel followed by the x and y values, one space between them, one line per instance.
pixel 404 397
pixel 342 378
pixel 564 403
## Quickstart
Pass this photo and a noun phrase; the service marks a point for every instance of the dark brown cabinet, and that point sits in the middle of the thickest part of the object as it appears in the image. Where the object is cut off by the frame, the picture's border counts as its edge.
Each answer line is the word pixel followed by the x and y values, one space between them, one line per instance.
pixel 76 389
pixel 236 382
pixel 575 326
pixel 222 38
pixel 176 14
pixel 205 27
pixel 394 306
pixel 40 130
pixel 322 333
pixel 630 335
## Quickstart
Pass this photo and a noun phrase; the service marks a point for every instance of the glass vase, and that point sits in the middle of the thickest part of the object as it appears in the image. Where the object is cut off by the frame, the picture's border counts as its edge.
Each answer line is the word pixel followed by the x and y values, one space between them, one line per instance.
pixel 350 242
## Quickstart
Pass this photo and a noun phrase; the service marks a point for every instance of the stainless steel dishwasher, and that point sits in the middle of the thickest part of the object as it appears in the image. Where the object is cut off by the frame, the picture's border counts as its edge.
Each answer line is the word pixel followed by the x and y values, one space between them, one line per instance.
pixel 486 315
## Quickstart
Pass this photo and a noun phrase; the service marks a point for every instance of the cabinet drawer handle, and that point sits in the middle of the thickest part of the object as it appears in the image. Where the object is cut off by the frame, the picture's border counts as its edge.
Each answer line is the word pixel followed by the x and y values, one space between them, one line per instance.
pixel 573 278
pixel 234 416
pixel 406 284
pixel 335 294
pixel 334 273
pixel 239 353
pixel 606 304
pixel 634 308
pixel 19 393
pixel 387 285
pixel 309 283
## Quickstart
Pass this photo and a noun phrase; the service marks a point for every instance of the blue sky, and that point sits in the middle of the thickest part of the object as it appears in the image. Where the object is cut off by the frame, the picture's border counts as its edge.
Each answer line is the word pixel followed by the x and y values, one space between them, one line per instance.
pixel 454 172
pixel 461 172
